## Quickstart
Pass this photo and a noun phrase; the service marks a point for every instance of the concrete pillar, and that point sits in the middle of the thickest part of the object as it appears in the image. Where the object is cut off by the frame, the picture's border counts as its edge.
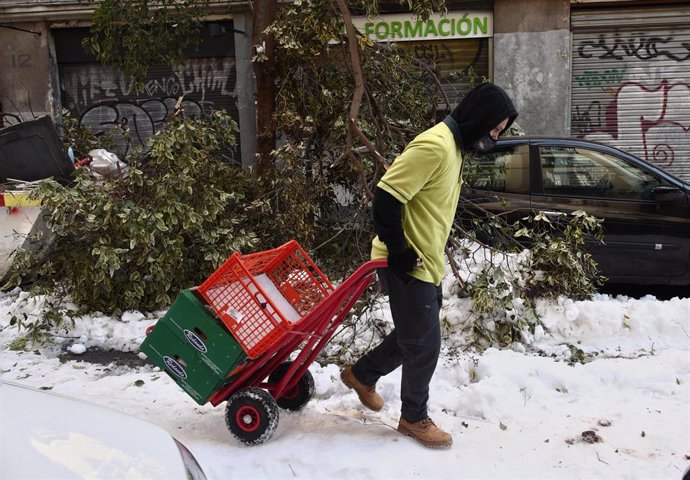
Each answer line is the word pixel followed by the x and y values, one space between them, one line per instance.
pixel 532 62
pixel 25 71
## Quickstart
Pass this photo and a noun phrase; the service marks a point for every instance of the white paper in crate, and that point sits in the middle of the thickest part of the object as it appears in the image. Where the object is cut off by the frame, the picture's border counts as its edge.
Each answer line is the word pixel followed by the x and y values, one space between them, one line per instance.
pixel 269 290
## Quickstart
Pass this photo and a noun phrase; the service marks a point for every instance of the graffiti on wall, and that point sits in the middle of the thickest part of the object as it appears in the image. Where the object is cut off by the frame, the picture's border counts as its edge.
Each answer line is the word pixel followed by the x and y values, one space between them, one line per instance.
pixel 139 118
pixel 618 47
pixel 652 134
pixel 631 92
pixel 599 78
pixel 105 99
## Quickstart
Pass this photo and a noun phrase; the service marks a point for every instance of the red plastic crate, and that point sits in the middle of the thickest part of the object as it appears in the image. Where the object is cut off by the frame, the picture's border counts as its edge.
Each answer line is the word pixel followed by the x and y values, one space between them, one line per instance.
pixel 260 297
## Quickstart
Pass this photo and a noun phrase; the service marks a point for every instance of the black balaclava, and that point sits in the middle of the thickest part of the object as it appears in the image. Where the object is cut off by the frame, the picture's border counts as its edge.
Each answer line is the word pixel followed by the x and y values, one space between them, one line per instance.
pixel 480 111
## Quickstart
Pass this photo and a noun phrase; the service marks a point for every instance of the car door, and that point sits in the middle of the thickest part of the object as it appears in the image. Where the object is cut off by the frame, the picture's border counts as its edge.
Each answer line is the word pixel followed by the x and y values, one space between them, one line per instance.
pixel 646 217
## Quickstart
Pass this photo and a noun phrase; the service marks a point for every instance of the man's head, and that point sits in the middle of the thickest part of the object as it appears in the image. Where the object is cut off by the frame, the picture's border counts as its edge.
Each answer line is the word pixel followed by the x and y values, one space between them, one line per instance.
pixel 482 115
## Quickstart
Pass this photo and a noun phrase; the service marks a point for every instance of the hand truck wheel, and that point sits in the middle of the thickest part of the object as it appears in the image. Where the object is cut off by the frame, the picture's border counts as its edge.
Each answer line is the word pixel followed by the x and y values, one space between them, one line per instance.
pixel 252 415
pixel 299 395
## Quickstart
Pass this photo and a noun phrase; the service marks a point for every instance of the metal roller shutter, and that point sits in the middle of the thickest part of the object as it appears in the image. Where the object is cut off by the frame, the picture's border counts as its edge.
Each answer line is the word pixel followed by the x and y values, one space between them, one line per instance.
pixel 103 98
pixel 631 82
pixel 453 57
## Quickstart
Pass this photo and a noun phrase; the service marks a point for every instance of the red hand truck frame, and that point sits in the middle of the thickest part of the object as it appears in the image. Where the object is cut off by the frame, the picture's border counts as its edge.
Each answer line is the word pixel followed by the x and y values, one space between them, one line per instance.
pixel 252 403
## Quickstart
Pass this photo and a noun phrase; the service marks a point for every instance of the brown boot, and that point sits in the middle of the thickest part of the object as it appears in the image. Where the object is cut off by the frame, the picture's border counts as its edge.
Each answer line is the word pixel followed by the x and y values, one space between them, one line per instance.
pixel 425 432
pixel 367 393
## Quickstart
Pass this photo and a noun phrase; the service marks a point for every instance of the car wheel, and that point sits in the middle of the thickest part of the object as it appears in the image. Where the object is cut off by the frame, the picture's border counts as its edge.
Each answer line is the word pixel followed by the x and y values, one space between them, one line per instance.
pixel 298 396
pixel 252 415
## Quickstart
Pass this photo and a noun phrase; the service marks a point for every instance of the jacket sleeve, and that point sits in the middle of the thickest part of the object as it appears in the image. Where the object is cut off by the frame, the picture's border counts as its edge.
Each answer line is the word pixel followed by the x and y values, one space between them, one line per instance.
pixel 387 213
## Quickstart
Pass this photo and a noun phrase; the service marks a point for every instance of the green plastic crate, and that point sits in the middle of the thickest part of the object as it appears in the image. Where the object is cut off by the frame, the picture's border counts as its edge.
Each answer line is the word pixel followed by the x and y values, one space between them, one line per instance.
pixel 193 347
pixel 193 321
pixel 181 361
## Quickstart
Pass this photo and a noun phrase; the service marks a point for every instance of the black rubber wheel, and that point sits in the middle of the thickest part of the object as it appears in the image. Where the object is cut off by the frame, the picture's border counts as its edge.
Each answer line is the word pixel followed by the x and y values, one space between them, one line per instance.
pixel 252 415
pixel 298 396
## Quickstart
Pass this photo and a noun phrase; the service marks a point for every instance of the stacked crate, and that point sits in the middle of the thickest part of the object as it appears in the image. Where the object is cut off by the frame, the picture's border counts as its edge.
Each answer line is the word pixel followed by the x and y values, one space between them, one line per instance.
pixel 244 310
pixel 193 347
pixel 262 297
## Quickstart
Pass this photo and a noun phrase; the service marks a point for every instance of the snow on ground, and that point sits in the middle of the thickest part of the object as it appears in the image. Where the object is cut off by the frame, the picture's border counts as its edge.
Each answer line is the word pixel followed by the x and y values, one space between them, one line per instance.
pixel 522 413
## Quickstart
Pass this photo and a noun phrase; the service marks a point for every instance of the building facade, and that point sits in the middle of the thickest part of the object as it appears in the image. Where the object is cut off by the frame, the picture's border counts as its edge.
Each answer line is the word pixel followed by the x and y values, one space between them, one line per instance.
pixel 45 69
pixel 613 72
pixel 617 72
pixel 630 81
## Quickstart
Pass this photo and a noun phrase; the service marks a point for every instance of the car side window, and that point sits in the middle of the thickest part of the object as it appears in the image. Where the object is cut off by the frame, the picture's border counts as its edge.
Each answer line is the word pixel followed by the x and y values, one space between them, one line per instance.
pixel 505 169
pixel 585 172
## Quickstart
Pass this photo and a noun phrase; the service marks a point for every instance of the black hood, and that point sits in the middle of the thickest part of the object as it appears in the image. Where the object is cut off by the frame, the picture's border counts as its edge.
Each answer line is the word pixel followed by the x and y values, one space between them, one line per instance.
pixel 484 107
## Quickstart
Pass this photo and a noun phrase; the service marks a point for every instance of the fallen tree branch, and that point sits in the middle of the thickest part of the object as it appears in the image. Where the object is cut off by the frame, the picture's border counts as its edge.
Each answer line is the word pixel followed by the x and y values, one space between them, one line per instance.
pixel 372 148
pixel 454 268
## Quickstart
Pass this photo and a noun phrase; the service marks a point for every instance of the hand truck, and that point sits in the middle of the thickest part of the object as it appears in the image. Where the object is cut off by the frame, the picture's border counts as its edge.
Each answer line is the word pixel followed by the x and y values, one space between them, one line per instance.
pixel 252 412
pixel 264 379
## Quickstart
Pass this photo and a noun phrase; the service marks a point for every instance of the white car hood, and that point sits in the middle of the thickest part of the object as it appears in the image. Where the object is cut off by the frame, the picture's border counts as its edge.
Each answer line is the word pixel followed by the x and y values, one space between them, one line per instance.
pixel 47 436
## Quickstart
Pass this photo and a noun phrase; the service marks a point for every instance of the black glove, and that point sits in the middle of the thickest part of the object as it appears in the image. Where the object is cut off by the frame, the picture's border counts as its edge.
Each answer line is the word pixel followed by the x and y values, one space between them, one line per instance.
pixel 402 263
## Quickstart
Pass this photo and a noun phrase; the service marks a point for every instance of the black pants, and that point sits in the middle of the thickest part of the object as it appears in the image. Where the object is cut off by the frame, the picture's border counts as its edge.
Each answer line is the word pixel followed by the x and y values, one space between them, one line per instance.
pixel 414 343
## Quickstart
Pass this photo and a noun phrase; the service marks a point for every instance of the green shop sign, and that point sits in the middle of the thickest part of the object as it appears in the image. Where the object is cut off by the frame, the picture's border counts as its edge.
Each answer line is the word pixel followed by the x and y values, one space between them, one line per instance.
pixel 405 27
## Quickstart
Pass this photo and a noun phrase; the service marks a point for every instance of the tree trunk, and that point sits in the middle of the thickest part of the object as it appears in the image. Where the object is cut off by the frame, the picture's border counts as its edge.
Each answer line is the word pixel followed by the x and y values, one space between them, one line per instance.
pixel 263 14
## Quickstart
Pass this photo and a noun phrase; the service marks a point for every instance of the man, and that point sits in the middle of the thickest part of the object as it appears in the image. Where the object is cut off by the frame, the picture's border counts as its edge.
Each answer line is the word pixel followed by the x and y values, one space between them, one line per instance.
pixel 414 207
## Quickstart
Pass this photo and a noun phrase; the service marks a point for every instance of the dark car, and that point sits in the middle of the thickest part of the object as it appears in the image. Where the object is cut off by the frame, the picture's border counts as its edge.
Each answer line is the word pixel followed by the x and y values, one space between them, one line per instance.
pixel 646 211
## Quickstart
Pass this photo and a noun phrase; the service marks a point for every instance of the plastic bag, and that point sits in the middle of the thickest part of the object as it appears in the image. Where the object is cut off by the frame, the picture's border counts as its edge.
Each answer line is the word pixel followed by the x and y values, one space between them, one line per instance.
pixel 106 163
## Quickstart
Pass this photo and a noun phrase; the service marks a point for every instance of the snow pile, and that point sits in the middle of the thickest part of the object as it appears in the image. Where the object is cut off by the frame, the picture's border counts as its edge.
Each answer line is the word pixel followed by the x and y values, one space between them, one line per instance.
pixel 525 412
pixel 616 326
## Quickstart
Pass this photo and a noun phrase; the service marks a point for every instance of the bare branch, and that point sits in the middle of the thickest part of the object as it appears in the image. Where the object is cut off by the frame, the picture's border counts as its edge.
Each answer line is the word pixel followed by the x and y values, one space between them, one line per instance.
pixel 454 268
pixel 434 73
pixel 372 148
pixel 362 176
pixel 355 60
